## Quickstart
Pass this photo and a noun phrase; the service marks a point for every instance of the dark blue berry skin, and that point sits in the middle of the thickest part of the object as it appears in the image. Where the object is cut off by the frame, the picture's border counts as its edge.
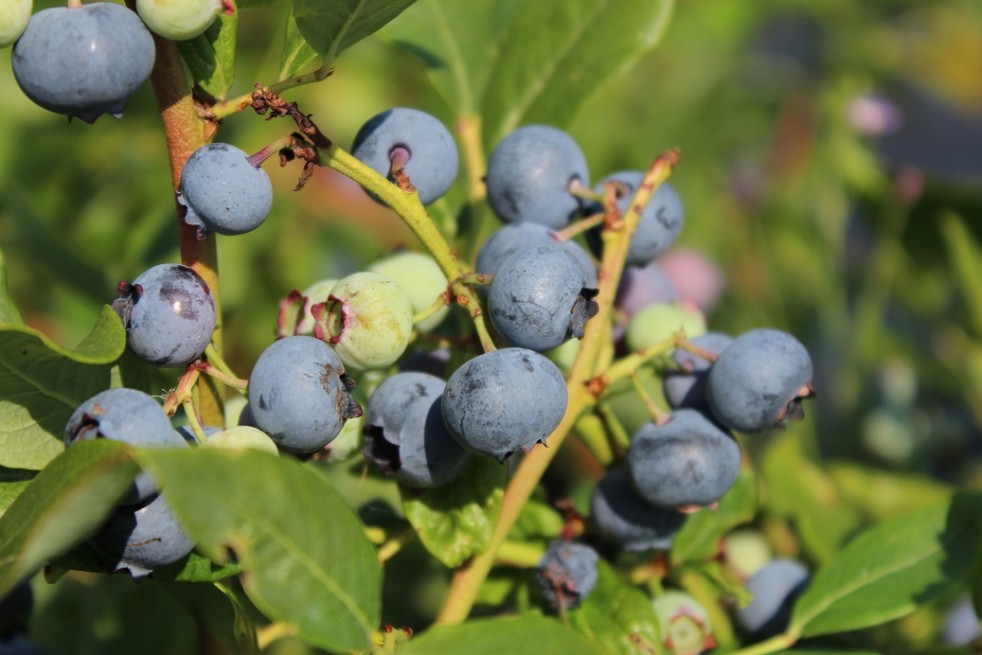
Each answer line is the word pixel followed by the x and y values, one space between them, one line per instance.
pixel 567 574
pixel 432 164
pixel 300 395
pixel 142 539
pixel 759 380
pixel 405 434
pixel 686 386
pixel 538 298
pixel 687 462
pixel 129 416
pixel 169 315
pixel 83 61
pixel 223 191
pixel 503 401
pixel 512 237
pixel 624 518
pixel 21 646
pixel 660 223
pixel 774 588
pixel 529 174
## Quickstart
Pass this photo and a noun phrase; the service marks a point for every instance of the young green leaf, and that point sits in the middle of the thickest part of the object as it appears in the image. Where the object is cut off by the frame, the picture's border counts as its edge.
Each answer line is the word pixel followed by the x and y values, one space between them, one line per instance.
pixel 699 537
pixel 63 505
pixel 8 310
pixel 559 54
pixel 456 520
pixel 304 556
pixel 317 29
pixel 891 569
pixel 41 384
pixel 526 635
pixel 211 56
pixel 12 484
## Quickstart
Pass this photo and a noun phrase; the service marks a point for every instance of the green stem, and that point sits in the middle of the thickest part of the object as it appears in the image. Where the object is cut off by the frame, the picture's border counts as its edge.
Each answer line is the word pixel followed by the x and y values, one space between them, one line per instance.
pixel 772 645
pixel 520 554
pixel 225 109
pixel 630 364
pixel 468 579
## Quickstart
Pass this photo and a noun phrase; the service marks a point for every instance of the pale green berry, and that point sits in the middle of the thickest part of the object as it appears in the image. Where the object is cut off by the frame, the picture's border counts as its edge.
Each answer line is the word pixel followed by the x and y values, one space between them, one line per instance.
pixel 745 552
pixel 683 624
pixel 422 279
pixel 314 294
pixel 658 322
pixel 241 437
pixel 348 442
pixel 14 15
pixel 179 20
pixel 368 319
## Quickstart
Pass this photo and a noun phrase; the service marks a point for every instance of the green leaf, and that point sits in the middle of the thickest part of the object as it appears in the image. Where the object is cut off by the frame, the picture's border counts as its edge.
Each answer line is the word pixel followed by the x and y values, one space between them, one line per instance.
pixel 800 490
pixel 884 495
pixel 699 537
pixel 459 42
pixel 617 615
pixel 42 383
pixel 62 506
pixel 323 29
pixel 965 257
pixel 559 54
pixel 527 635
pixel 890 570
pixel 12 484
pixel 303 552
pixel 8 310
pixel 456 520
pixel 211 56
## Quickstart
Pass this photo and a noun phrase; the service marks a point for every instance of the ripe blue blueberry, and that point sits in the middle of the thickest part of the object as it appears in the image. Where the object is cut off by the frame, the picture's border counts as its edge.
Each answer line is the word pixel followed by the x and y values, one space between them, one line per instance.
pixel 169 315
pixel 685 463
pixel 503 401
pixel 759 381
pixel 83 61
pixel 686 386
pixel 300 395
pixel 567 574
pixel 961 625
pixel 142 539
pixel 623 517
pixel 539 298
pixel 661 220
pixel 512 237
pixel 224 191
pixel 126 415
pixel 414 141
pixel 529 176
pixel 773 588
pixel 405 434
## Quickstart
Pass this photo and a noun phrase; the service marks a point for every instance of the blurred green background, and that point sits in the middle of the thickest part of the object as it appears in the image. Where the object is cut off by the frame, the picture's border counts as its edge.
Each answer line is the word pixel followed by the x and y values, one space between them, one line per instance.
pixel 831 167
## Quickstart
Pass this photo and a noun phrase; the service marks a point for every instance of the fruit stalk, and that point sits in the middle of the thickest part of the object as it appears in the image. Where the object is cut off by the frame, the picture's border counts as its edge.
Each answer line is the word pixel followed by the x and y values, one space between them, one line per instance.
pixel 185 132
pixel 468 579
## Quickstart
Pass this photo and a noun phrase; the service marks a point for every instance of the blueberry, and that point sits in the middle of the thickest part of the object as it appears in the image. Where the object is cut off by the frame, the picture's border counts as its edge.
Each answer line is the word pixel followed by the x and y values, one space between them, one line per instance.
pixel 142 539
pixel 661 220
pixel 686 386
pixel 300 395
pixel 773 588
pixel 529 176
pixel 21 645
pixel 129 416
pixel 417 141
pixel 169 315
pixel 683 623
pixel 745 552
pixel 539 298
pixel 686 463
pixel 567 574
pixel 512 237
pixel 698 279
pixel 421 278
pixel 759 381
pixel 961 625
pixel 655 323
pixel 623 517
pixel 368 318
pixel 224 192
pixel 405 434
pixel 503 401
pixel 14 15
pixel 179 20
pixel 642 286
pixel 83 61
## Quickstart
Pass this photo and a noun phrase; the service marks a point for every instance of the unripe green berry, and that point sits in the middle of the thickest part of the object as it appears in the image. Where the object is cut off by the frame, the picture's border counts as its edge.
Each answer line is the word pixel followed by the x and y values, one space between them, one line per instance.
pixel 179 20
pixel 422 280
pixel 658 322
pixel 241 437
pixel 367 318
pixel 14 15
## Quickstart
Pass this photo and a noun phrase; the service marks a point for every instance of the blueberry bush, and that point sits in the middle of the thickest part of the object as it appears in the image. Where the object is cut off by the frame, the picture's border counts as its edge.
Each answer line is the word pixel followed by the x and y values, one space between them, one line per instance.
pixel 392 335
